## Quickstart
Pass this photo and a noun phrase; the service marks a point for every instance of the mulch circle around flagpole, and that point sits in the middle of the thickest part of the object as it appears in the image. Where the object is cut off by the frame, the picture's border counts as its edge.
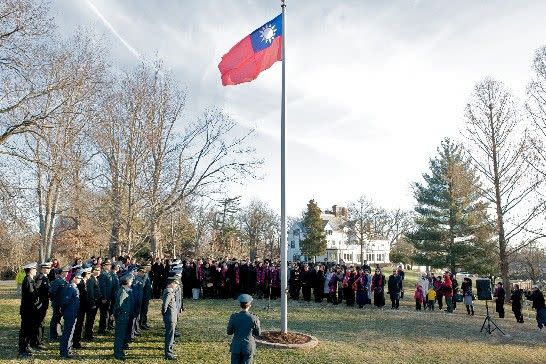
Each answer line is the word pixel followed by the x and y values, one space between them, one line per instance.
pixel 287 340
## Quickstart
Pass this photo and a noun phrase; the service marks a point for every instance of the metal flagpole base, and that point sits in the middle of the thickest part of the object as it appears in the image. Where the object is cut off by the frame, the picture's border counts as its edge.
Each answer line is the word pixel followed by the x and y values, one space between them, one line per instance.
pixel 488 322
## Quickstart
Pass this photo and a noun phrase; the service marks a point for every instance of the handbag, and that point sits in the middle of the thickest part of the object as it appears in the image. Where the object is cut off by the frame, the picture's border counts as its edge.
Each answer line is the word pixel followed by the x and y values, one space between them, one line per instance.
pixel 458 297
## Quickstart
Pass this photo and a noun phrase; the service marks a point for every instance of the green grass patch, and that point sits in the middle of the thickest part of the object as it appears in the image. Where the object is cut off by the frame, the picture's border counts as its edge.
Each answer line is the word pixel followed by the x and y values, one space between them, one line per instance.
pixel 346 335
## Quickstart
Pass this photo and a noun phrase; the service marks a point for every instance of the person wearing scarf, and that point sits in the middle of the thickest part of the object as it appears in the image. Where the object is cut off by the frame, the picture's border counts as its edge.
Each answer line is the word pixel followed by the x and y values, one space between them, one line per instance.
pixel 378 288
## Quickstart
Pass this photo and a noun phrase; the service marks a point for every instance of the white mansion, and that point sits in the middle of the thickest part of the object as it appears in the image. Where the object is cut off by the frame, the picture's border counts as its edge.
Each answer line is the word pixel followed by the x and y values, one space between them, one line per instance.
pixel 338 249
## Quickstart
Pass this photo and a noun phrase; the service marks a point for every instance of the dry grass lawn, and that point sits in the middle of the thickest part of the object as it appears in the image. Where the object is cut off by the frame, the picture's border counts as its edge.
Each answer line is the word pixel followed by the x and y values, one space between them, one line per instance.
pixel 346 335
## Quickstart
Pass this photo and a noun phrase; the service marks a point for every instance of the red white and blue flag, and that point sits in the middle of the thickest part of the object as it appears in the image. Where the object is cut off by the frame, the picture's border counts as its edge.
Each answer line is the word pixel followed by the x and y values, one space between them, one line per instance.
pixel 254 54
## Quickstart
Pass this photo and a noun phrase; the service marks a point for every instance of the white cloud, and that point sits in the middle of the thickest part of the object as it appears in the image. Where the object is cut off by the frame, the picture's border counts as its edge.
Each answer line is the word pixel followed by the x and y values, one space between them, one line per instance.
pixel 372 86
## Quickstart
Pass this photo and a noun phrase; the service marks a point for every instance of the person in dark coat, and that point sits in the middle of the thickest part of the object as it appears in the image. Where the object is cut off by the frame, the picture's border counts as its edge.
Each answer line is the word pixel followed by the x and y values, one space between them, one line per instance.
pixel 56 289
pixel 294 282
pixel 306 282
pixel 69 307
pixel 499 296
pixel 538 304
pixel 318 283
pixel 156 276
pixel 361 288
pixel 147 294
pixel 30 305
pixel 115 285
pixel 94 299
pixel 243 326
pixel 138 293
pixel 516 299
pixel 105 289
pixel 169 311
pixel 122 316
pixel 378 288
pixel 83 308
pixel 394 289
pixel 188 273
pixel 42 287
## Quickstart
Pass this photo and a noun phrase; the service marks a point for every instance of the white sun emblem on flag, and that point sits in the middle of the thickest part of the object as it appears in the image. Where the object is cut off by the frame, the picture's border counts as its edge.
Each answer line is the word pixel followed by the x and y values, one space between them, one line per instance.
pixel 267 33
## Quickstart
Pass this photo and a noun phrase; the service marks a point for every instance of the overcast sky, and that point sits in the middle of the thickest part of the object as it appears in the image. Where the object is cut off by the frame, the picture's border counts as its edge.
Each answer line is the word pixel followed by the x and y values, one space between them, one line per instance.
pixel 372 86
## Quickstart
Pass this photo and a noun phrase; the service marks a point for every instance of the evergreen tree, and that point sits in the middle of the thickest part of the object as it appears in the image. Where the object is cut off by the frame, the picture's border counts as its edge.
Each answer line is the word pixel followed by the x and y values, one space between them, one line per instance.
pixel 452 229
pixel 315 240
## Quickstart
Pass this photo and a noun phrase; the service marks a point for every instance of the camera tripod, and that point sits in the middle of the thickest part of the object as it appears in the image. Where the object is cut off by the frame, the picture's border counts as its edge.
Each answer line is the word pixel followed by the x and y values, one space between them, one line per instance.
pixel 488 322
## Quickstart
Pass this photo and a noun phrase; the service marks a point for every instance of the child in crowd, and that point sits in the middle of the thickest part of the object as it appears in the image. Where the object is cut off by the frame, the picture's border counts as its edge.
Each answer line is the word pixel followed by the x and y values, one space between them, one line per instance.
pixel 431 298
pixel 419 297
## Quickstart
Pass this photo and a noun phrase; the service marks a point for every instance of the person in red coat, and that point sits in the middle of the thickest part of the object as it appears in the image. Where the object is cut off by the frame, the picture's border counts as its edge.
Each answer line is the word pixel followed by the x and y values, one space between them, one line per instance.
pixel 447 290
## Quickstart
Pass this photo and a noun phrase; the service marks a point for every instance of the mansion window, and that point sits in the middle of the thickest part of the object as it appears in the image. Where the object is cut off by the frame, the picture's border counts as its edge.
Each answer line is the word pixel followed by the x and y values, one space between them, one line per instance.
pixel 370 257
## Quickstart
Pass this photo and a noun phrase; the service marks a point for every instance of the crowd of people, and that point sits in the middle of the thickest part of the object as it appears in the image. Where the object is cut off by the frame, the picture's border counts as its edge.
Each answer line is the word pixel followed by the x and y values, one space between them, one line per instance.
pixel 120 290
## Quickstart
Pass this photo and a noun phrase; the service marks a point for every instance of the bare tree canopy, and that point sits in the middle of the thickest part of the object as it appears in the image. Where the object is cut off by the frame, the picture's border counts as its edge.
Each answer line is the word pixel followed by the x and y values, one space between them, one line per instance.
pixel 500 149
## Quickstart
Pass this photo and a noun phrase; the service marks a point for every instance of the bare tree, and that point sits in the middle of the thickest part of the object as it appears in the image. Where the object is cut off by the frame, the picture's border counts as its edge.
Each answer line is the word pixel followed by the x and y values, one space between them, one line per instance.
pixel 397 223
pixel 499 149
pixel 27 47
pixel 257 220
pixel 530 263
pixel 361 217
pixel 207 154
pixel 53 154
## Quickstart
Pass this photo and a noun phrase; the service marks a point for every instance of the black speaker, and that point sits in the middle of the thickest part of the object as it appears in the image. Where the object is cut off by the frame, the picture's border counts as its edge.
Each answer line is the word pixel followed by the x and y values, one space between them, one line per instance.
pixel 484 289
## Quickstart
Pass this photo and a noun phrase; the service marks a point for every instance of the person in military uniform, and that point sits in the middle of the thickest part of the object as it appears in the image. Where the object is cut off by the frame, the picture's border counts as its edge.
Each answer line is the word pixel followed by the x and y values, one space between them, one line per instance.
pixel 83 308
pixel 122 315
pixel 105 289
pixel 94 299
pixel 243 326
pixel 138 289
pixel 113 293
pixel 30 304
pixel 56 289
pixel 42 287
pixel 169 310
pixel 70 306
pixel 147 294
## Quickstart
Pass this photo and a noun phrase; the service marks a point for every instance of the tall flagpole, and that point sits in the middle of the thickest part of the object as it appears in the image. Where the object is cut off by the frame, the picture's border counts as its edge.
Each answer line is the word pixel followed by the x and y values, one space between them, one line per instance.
pixel 283 247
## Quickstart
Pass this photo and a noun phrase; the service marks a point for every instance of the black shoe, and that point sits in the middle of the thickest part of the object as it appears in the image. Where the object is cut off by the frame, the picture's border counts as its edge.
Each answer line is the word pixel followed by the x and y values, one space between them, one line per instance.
pixel 67 356
pixel 25 354
pixel 39 347
pixel 119 357
pixel 101 332
pixel 170 357
pixel 77 346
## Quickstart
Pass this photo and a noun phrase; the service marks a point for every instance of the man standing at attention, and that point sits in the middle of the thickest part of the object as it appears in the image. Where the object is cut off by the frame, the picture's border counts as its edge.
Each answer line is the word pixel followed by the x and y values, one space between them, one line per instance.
pixel 243 325
pixel 169 310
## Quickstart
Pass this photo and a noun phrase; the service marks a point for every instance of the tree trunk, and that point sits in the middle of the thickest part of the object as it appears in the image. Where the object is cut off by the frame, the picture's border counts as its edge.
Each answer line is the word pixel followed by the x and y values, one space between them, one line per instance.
pixel 503 256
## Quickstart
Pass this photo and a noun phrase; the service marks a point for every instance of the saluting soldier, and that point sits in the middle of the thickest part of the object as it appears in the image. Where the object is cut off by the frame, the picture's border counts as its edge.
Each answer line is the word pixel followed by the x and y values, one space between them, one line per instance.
pixel 169 310
pixel 56 290
pixel 243 326
pixel 122 315
pixel 30 304
pixel 42 287
pixel 105 292
pixel 69 307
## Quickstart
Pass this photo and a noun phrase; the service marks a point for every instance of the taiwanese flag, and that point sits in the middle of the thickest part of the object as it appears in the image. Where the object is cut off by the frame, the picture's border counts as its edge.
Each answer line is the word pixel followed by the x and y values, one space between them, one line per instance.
pixel 254 54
